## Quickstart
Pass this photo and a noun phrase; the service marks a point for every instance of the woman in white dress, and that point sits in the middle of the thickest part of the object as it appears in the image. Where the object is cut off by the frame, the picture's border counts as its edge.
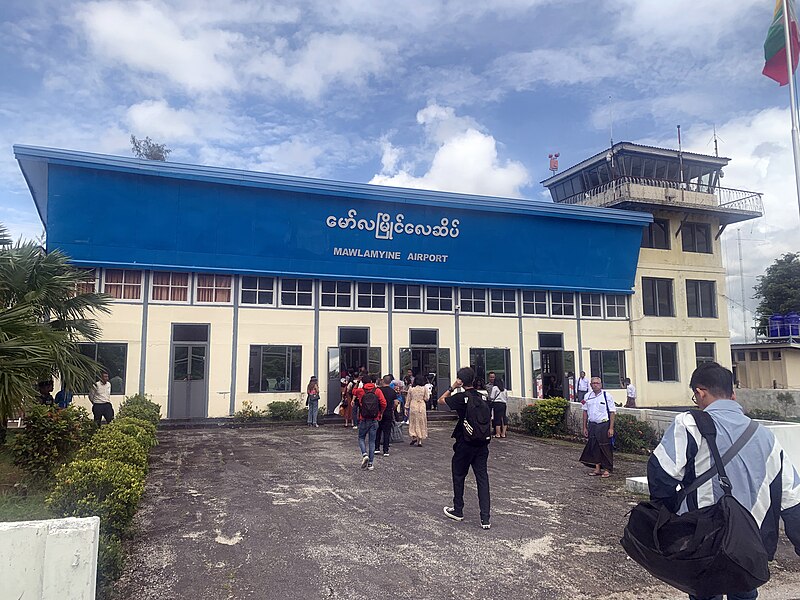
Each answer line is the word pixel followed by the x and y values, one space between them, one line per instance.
pixel 416 411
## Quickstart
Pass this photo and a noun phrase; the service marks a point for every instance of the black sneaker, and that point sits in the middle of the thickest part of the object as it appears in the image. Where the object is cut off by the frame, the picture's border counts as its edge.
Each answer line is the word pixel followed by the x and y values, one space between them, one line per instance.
pixel 370 467
pixel 364 461
pixel 485 524
pixel 386 454
pixel 451 514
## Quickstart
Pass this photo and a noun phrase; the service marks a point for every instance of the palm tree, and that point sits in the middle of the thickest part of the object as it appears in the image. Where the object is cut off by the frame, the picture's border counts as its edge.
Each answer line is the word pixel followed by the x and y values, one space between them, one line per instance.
pixel 42 319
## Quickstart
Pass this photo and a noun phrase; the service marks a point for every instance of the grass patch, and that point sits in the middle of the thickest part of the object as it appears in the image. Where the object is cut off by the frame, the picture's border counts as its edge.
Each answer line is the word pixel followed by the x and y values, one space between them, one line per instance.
pixel 22 498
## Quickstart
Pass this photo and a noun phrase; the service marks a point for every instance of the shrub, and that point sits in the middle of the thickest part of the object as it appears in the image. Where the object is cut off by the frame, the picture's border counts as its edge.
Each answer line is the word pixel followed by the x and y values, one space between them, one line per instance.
pixel 142 431
pixel 115 446
pixel 110 490
pixel 50 438
pixel 546 417
pixel 139 406
pixel 110 561
pixel 527 417
pixel 249 413
pixel 289 410
pixel 633 435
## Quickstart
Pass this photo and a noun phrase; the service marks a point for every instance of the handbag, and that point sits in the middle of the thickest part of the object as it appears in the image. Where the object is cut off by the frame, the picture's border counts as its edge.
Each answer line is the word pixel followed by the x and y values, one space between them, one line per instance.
pixel 705 552
pixel 397 433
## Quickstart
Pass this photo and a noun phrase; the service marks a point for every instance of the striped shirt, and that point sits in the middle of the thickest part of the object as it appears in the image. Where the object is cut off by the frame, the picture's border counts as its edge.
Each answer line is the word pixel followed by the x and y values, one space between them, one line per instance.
pixel 763 478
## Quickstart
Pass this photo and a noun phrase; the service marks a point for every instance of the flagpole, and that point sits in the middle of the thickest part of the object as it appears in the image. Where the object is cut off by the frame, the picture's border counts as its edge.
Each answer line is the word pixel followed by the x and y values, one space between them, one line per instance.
pixel 792 100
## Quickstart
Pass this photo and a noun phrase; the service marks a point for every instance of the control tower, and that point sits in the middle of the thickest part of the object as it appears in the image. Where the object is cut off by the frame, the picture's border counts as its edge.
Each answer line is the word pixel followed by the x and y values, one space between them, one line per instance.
pixel 678 310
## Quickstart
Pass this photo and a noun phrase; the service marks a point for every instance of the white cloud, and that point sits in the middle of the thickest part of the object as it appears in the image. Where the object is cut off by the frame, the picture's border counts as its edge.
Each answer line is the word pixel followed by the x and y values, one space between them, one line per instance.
pixel 685 23
pixel 144 37
pixel 198 124
pixel 325 59
pixel 579 65
pixel 465 159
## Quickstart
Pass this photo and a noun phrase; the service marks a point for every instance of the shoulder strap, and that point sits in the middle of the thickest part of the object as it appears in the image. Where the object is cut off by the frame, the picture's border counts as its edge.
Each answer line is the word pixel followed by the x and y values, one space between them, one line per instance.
pixel 608 410
pixel 704 421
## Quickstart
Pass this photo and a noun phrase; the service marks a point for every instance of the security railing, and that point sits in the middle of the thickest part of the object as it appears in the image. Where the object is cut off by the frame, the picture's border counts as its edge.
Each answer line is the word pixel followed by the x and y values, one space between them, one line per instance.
pixel 676 192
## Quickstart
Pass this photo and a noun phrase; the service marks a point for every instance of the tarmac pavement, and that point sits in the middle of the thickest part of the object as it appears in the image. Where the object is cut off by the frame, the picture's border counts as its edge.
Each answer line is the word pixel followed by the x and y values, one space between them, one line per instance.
pixel 287 512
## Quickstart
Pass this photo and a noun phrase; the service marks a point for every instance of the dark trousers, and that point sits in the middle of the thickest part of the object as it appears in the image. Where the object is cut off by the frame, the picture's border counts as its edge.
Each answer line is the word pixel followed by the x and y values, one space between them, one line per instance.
pixel 103 409
pixel 466 456
pixel 384 434
pixel 751 595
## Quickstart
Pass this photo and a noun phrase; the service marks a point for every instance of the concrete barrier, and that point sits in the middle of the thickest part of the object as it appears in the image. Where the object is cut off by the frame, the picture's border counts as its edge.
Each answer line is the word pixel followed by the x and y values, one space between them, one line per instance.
pixel 49 560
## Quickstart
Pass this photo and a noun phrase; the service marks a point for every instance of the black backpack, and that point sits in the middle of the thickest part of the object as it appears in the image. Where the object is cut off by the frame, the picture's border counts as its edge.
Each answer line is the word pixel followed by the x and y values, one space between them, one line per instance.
pixel 370 405
pixel 705 552
pixel 477 419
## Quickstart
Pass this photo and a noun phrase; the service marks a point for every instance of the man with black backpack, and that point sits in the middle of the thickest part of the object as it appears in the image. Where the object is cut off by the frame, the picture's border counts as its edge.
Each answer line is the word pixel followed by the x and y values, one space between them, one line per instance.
pixel 387 421
pixel 473 433
pixel 371 405
pixel 759 475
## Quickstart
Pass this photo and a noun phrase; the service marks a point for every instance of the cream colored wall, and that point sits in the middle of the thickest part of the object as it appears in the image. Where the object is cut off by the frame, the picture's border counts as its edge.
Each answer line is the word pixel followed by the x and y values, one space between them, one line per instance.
pixel 605 335
pixel 791 367
pixel 273 326
pixel 761 374
pixel 679 266
pixel 123 325
pixel 479 331
pixel 159 335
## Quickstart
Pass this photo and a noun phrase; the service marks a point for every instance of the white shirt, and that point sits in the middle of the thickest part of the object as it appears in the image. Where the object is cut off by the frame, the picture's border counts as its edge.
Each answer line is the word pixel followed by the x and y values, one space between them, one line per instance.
pixel 498 396
pixel 100 393
pixel 631 390
pixel 596 406
pixel 583 384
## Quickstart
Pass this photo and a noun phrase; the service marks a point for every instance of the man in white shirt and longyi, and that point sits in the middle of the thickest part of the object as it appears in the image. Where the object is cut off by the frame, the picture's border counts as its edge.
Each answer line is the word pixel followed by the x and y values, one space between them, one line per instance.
pixel 100 396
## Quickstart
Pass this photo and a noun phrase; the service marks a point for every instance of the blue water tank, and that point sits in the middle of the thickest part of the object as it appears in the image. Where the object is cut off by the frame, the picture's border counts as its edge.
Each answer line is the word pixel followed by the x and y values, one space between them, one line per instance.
pixel 792 323
pixel 775 328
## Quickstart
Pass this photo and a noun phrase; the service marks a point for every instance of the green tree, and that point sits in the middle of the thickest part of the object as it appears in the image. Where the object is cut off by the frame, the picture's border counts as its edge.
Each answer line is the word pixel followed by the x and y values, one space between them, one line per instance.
pixel 42 319
pixel 148 149
pixel 778 290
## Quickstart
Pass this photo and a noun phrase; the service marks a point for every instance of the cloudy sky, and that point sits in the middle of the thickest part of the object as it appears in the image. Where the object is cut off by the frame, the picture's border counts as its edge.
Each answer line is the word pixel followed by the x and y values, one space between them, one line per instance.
pixel 455 95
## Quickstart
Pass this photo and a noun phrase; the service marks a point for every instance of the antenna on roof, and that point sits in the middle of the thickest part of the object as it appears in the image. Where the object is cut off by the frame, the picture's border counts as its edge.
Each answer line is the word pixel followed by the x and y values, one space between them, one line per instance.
pixel 553 162
pixel 715 138
pixel 611 119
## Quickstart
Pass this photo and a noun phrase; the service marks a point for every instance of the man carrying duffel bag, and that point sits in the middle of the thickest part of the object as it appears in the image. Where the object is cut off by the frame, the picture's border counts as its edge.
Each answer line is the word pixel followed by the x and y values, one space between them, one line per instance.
pixel 719 485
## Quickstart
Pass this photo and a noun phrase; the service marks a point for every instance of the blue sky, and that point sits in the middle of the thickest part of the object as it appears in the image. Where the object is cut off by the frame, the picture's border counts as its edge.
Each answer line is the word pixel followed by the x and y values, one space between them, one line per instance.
pixel 442 94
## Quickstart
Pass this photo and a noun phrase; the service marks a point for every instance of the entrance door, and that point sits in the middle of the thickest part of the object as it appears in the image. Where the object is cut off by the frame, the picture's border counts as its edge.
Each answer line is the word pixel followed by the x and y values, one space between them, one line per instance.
pixel 334 380
pixel 188 393
pixel 432 363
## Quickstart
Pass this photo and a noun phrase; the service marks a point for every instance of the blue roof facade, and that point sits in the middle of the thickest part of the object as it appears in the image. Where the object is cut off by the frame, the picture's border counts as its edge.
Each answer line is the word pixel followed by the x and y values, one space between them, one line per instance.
pixel 127 213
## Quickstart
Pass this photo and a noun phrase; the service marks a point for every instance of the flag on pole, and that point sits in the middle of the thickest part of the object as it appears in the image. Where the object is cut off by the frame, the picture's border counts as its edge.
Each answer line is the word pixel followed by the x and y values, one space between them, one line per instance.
pixel 775 44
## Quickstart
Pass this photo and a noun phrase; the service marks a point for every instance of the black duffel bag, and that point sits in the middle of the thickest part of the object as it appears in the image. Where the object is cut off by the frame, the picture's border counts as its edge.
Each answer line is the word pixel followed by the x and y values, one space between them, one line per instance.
pixel 705 552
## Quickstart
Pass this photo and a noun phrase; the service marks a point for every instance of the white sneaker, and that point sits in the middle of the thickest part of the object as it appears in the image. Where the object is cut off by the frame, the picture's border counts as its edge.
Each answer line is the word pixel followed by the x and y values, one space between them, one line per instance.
pixel 364 461
pixel 370 467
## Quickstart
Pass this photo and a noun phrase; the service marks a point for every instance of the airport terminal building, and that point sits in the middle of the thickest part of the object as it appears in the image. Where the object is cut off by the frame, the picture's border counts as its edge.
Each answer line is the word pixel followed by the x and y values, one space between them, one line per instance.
pixel 232 285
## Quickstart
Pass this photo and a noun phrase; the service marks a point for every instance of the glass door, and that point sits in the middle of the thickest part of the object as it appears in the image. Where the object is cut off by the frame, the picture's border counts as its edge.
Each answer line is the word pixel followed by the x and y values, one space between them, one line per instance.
pixel 334 379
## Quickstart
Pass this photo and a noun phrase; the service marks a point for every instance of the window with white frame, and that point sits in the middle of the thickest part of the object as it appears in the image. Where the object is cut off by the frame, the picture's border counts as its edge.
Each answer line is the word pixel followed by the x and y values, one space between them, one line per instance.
pixel 407 297
pixel 88 284
pixel 123 284
pixel 534 302
pixel 616 306
pixel 297 292
pixel 591 305
pixel 503 302
pixel 371 295
pixel 214 288
pixel 473 300
pixel 170 287
pixel 258 290
pixel 438 298
pixel 336 294
pixel 562 304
